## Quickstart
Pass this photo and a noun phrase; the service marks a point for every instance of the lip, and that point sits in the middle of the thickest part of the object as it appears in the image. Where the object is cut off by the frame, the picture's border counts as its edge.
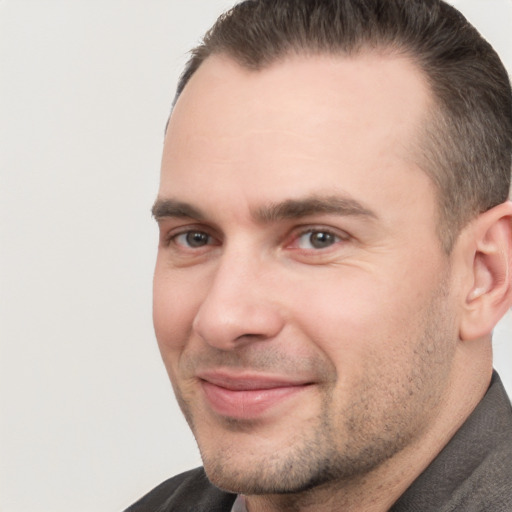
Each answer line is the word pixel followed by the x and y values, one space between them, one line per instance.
pixel 247 396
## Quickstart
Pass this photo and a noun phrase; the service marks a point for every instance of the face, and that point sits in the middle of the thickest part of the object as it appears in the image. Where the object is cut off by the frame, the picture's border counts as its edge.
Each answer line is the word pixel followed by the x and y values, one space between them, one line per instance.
pixel 301 297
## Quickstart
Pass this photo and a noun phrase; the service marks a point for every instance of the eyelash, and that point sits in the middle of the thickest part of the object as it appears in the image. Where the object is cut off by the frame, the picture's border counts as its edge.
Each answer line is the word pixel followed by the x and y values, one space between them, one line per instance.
pixel 333 238
pixel 193 233
pixel 172 237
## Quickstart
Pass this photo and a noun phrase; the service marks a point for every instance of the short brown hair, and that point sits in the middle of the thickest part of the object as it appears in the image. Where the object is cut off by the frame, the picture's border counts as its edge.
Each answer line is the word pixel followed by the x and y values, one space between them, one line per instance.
pixel 467 149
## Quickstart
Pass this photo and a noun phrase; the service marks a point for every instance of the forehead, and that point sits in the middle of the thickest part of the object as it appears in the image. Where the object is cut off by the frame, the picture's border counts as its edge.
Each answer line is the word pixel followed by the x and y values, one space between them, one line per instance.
pixel 304 124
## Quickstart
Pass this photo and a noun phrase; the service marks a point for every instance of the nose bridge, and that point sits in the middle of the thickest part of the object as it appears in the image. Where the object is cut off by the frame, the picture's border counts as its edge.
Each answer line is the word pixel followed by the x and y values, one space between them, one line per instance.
pixel 239 305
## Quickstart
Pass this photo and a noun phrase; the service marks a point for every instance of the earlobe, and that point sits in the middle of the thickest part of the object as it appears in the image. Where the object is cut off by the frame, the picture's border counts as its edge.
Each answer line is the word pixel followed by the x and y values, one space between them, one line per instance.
pixel 490 293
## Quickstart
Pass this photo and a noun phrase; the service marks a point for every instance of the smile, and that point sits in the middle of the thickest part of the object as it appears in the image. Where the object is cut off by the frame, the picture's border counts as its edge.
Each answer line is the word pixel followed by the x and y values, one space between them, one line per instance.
pixel 248 397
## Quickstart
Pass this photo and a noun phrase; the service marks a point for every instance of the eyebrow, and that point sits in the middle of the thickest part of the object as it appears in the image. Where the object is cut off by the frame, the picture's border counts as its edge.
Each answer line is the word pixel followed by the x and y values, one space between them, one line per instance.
pixel 313 205
pixel 273 212
pixel 171 208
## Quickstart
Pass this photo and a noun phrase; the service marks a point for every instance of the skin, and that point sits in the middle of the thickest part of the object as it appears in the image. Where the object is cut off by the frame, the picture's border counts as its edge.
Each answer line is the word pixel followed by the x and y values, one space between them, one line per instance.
pixel 298 245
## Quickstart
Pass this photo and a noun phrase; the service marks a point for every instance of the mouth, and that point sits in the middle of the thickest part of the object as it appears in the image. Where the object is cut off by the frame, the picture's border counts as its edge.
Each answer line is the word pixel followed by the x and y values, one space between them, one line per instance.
pixel 247 396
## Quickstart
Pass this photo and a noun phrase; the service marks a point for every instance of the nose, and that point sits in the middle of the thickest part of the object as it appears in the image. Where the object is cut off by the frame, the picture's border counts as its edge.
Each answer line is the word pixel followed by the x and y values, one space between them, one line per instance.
pixel 240 306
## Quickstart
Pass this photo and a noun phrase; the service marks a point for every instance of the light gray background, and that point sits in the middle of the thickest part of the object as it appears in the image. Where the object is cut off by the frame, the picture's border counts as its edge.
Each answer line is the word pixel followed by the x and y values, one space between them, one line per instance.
pixel 88 421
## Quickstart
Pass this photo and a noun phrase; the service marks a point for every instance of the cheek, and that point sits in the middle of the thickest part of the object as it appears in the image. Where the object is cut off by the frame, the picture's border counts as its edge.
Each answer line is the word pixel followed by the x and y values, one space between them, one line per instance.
pixel 174 306
pixel 340 306
pixel 356 314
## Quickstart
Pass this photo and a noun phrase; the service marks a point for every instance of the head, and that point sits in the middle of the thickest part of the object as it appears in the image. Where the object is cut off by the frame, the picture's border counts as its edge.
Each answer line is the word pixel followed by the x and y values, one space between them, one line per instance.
pixel 322 307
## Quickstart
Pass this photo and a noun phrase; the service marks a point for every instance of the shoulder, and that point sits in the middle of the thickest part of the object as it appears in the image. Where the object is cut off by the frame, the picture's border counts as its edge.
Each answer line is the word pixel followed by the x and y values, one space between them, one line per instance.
pixel 187 492
pixel 473 472
pixel 483 458
pixel 489 487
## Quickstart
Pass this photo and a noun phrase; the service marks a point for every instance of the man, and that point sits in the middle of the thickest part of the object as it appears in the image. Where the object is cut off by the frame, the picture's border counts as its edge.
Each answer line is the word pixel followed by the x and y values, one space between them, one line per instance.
pixel 335 250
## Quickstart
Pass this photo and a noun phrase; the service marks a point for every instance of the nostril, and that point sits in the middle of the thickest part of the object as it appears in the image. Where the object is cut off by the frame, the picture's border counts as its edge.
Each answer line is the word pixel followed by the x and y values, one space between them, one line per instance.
pixel 251 337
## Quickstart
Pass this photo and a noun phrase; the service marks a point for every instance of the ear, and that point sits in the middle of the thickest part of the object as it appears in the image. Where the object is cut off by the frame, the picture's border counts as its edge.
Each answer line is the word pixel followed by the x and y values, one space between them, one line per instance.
pixel 490 292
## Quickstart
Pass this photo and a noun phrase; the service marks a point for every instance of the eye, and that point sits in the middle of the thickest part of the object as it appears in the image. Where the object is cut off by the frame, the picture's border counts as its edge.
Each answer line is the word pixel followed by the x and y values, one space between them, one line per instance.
pixel 317 239
pixel 193 239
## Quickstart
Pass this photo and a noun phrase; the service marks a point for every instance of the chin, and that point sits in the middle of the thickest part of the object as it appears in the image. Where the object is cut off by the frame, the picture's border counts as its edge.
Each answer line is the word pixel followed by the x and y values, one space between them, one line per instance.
pixel 279 473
